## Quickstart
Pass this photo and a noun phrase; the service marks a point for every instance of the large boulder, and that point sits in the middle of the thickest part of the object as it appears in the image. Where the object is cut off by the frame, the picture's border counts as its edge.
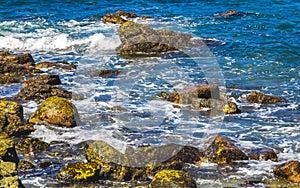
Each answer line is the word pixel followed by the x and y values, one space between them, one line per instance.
pixel 11 116
pixel 289 171
pixel 222 151
pixel 172 179
pixel 261 98
pixel 57 111
pixel 140 39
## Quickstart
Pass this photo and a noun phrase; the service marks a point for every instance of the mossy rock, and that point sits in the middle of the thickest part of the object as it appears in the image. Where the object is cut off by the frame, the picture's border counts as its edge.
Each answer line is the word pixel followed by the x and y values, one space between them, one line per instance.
pixel 57 111
pixel 78 172
pixel 222 151
pixel 12 108
pixel 172 179
pixel 100 151
pixel 11 182
pixel 112 18
pixel 51 79
pixel 261 98
pixel 35 145
pixel 289 171
pixel 25 165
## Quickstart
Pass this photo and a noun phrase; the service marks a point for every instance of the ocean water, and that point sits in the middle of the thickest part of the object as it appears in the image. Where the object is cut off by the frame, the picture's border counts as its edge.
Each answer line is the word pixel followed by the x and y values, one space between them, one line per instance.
pixel 256 51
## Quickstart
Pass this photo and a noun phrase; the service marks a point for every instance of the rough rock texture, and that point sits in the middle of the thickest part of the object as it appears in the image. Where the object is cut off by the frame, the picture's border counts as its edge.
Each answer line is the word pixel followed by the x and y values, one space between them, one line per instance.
pixel 25 165
pixel 262 98
pixel 27 145
pixel 222 151
pixel 204 96
pixel 112 18
pixel 38 92
pixel 8 164
pixel 172 179
pixel 60 64
pixel 13 68
pixel 11 117
pixel 126 14
pixel 140 39
pixel 50 79
pixel 57 111
pixel 263 154
pixel 105 73
pixel 289 171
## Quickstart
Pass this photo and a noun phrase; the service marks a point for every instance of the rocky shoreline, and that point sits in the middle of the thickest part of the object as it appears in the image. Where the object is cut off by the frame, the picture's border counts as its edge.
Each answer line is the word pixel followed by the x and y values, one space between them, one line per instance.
pixel 100 161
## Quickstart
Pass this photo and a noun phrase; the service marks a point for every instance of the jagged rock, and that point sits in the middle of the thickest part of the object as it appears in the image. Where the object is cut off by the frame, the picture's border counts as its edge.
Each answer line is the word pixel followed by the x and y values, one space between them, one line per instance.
pixel 38 92
pixel 25 165
pixel 112 18
pixel 203 97
pixel 126 14
pixel 50 79
pixel 57 111
pixel 140 39
pixel 222 151
pixel 60 64
pixel 172 178
pixel 258 97
pixel 27 145
pixel 289 171
pixel 263 154
pixel 11 117
pixel 13 68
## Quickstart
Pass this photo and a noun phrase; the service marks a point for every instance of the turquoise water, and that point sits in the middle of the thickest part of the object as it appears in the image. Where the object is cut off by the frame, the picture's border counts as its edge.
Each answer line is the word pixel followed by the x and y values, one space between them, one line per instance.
pixel 257 51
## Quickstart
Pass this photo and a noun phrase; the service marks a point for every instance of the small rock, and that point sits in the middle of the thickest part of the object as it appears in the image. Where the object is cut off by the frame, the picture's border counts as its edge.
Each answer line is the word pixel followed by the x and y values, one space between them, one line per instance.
pixel 231 108
pixel 105 73
pixel 263 154
pixel 57 111
pixel 112 18
pixel 50 79
pixel 27 145
pixel 25 165
pixel 222 151
pixel 172 178
pixel 262 98
pixel 126 14
pixel 289 171
pixel 60 64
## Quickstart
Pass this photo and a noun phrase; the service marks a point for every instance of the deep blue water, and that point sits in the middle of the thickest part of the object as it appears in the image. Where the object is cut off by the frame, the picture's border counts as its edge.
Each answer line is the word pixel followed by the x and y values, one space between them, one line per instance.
pixel 257 51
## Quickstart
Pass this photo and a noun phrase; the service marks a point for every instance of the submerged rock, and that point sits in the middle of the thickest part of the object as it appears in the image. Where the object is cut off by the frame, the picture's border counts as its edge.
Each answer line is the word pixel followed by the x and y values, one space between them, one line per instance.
pixel 232 13
pixel 172 178
pixel 222 151
pixel 140 39
pixel 56 111
pixel 11 117
pixel 263 154
pixel 289 171
pixel 105 73
pixel 60 64
pixel 258 97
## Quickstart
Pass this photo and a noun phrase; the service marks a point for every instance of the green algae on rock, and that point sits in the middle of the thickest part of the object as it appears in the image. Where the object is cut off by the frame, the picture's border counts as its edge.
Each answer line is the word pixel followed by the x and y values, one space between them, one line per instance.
pixel 56 111
pixel 172 179
pixel 289 171
pixel 222 151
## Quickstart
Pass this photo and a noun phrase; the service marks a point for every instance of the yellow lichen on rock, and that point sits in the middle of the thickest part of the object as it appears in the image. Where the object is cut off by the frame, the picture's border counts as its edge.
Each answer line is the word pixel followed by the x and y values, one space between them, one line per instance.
pixel 172 178
pixel 57 111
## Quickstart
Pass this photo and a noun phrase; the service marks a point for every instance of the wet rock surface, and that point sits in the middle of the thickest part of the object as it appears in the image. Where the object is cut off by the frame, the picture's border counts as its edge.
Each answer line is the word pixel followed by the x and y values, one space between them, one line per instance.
pixel 172 178
pixel 263 154
pixel 56 111
pixel 261 98
pixel 139 40
pixel 60 65
pixel 222 151
pixel 50 79
pixel 289 171
pixel 28 145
